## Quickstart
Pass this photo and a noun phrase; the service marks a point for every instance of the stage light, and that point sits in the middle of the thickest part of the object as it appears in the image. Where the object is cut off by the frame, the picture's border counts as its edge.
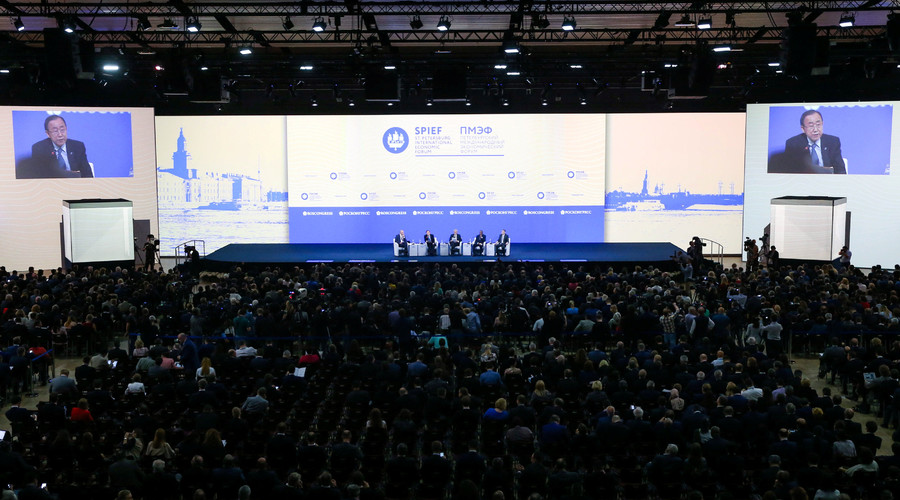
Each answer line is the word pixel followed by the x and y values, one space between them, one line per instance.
pixel 704 23
pixel 416 22
pixel 575 66
pixel 540 21
pixel 167 24
pixel 193 24
pixel 847 21
pixel 774 64
pixel 319 25
pixel 287 23
pixel 350 103
pixel 313 102
pixel 390 67
pixel 568 23
pixel 429 101
pixel 500 66
pixel 513 71
pixel 306 67
pixel 67 25
pixel 684 22
pixel 722 48
pixel 143 23
pixel 505 101
pixel 17 22
pixel 246 50
pixel 111 67
pixel 468 102
pixel 443 24
pixel 511 47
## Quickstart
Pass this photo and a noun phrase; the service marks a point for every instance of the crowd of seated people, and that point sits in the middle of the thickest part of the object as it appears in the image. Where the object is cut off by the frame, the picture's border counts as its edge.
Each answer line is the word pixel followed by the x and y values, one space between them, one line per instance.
pixel 443 381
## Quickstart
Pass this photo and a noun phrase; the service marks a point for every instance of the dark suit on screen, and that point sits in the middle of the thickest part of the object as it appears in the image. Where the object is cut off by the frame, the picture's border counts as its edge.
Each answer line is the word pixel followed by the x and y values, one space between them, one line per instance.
pixel 797 160
pixel 502 243
pixel 402 244
pixel 431 243
pixel 478 246
pixel 455 242
pixel 45 165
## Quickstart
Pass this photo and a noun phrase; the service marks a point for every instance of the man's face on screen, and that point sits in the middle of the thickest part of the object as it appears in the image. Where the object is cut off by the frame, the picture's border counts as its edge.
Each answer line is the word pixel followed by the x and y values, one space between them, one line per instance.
pixel 812 126
pixel 56 131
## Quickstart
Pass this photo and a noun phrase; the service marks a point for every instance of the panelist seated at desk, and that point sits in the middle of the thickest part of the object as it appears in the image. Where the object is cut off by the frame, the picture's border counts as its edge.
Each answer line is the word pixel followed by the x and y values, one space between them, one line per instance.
pixel 478 244
pixel 502 244
pixel 455 242
pixel 430 243
pixel 401 244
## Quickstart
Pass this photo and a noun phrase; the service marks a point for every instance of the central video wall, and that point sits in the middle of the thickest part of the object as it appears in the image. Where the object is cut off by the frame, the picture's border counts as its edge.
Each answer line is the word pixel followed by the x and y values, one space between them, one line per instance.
pixel 545 178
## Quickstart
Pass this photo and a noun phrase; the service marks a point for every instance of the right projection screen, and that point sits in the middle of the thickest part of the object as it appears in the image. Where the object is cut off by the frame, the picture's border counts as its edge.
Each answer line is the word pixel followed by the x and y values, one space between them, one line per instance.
pixel 811 152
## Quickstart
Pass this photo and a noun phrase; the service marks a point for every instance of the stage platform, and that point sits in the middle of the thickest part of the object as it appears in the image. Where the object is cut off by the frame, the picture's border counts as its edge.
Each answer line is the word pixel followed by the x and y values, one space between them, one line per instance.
pixel 278 253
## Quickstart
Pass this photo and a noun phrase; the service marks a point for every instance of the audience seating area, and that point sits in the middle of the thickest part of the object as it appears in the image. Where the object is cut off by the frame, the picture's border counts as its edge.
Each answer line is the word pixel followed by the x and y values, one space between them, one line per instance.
pixel 439 381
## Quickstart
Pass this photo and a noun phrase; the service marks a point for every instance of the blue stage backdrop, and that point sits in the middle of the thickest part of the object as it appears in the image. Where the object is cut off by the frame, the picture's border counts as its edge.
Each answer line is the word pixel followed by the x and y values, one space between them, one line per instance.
pixel 864 131
pixel 106 137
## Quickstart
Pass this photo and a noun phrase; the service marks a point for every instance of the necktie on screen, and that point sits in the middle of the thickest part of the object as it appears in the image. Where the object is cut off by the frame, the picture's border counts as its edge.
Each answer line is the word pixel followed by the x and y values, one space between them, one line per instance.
pixel 813 155
pixel 60 157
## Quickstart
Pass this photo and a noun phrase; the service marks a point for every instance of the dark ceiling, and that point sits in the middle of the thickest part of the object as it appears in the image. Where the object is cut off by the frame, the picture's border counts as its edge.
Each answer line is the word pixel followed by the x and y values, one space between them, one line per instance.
pixel 620 56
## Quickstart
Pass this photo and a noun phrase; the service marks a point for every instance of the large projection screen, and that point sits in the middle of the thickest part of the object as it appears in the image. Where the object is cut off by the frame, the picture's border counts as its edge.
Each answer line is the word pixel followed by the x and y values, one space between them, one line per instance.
pixel 673 176
pixel 544 178
pixel 119 145
pixel 360 179
pixel 861 135
pixel 222 179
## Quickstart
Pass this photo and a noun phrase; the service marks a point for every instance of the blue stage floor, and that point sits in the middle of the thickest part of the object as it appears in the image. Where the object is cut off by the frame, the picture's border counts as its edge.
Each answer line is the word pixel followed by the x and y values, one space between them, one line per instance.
pixel 521 252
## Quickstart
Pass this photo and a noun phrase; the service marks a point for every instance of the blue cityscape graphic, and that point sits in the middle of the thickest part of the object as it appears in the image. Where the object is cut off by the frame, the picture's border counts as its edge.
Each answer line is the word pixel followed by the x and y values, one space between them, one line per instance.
pixel 660 199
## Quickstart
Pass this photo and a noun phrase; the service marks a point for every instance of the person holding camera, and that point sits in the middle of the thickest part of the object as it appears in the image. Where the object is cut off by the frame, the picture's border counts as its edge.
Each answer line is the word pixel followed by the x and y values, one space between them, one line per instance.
pixel 150 252
pixel 752 250
pixel 843 260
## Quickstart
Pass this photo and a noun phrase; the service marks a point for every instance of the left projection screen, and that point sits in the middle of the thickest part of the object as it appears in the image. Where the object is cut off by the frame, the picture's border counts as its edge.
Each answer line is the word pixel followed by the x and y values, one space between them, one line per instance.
pixel 110 154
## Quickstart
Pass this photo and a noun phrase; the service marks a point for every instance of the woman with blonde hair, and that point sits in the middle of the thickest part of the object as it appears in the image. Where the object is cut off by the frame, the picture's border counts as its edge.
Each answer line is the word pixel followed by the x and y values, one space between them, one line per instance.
pixel 206 369
pixel 498 413
pixel 139 350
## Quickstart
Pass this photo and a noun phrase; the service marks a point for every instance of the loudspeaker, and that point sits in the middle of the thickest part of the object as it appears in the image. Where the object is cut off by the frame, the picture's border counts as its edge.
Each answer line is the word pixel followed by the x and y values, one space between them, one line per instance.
pixel 449 84
pixel 382 86
pixel 801 51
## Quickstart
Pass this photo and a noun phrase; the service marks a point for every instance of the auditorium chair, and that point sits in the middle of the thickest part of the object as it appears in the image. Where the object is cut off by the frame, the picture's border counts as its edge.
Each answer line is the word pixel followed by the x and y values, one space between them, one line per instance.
pixel 400 253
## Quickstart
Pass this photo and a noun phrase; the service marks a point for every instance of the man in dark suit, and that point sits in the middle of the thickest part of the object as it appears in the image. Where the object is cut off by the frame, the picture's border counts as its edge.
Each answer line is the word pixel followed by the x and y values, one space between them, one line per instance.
pixel 478 246
pixel 431 243
pixel 502 242
pixel 455 242
pixel 812 151
pixel 402 244
pixel 57 155
pixel 189 358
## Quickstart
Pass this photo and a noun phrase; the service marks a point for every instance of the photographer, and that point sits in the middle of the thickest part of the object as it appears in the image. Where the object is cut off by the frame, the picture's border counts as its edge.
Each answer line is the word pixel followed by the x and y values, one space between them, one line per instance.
pixel 843 259
pixel 695 250
pixel 150 252
pixel 752 254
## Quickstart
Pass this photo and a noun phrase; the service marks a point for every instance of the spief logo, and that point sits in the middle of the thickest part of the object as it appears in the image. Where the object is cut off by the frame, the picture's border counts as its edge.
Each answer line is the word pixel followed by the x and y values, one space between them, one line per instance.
pixel 395 140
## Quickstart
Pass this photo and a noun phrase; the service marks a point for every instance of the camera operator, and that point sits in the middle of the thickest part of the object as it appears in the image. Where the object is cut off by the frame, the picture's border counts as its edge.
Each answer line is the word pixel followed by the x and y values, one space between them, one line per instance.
pixel 752 254
pixel 150 252
pixel 843 260
pixel 695 250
